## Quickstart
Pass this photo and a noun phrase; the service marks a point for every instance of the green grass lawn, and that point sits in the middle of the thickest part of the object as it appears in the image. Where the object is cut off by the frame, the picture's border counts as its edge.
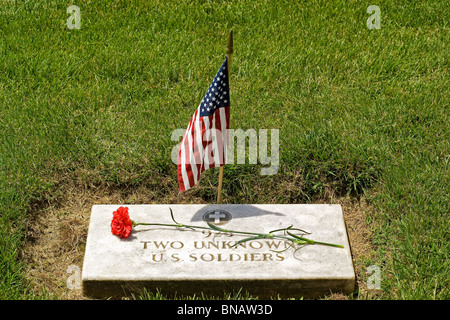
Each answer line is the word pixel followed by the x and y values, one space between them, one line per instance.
pixel 360 112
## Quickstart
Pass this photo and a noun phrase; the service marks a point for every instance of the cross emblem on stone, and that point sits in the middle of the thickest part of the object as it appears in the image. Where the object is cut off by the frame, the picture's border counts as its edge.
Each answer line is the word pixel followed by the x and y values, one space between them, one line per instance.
pixel 217 215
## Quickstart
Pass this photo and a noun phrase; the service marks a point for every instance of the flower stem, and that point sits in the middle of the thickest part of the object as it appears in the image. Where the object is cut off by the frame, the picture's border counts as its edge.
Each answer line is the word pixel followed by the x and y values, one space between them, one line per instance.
pixel 293 238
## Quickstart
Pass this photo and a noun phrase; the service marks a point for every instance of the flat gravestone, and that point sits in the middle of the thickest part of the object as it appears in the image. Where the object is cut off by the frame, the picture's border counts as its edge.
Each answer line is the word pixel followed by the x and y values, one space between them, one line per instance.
pixel 188 262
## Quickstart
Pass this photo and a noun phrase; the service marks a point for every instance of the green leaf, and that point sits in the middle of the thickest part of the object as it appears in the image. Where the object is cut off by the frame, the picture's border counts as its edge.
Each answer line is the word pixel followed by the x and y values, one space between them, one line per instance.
pixel 171 214
pixel 215 227
pixel 297 229
pixel 282 229
pixel 299 238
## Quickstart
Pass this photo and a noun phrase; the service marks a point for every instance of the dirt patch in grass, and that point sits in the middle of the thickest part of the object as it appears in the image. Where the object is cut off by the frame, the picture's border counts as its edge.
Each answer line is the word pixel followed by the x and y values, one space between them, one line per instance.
pixel 58 229
pixel 356 212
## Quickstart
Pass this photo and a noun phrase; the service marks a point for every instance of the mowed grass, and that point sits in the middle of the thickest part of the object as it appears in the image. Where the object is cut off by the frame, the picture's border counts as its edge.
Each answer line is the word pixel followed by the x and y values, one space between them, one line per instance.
pixel 360 112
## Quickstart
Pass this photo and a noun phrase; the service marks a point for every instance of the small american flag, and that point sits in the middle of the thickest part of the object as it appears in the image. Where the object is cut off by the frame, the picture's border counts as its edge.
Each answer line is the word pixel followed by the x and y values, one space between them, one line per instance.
pixel 205 141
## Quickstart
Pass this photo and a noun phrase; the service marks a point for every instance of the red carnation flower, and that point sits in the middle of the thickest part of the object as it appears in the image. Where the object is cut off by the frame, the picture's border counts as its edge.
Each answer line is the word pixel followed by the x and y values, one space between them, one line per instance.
pixel 121 224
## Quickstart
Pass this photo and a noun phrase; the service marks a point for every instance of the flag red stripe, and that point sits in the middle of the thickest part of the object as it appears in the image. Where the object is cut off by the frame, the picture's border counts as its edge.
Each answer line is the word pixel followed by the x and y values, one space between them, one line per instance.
pixel 206 148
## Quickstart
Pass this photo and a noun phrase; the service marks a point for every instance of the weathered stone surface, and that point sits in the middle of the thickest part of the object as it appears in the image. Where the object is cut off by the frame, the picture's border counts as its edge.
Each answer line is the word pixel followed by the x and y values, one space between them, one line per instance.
pixel 190 262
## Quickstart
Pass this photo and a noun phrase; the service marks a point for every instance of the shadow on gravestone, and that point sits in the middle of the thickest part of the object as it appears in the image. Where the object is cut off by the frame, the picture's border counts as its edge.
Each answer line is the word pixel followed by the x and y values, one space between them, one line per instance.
pixel 221 213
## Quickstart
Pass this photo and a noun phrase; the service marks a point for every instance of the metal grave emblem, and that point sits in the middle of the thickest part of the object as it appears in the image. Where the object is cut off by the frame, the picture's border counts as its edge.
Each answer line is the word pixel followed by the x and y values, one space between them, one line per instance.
pixel 217 217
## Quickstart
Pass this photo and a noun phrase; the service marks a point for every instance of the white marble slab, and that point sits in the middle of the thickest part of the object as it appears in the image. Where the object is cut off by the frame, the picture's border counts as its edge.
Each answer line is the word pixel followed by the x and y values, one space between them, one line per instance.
pixel 190 262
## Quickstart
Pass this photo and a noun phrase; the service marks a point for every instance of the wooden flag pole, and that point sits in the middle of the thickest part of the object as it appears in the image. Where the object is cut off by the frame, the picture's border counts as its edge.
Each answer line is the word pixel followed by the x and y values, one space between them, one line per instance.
pixel 229 53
